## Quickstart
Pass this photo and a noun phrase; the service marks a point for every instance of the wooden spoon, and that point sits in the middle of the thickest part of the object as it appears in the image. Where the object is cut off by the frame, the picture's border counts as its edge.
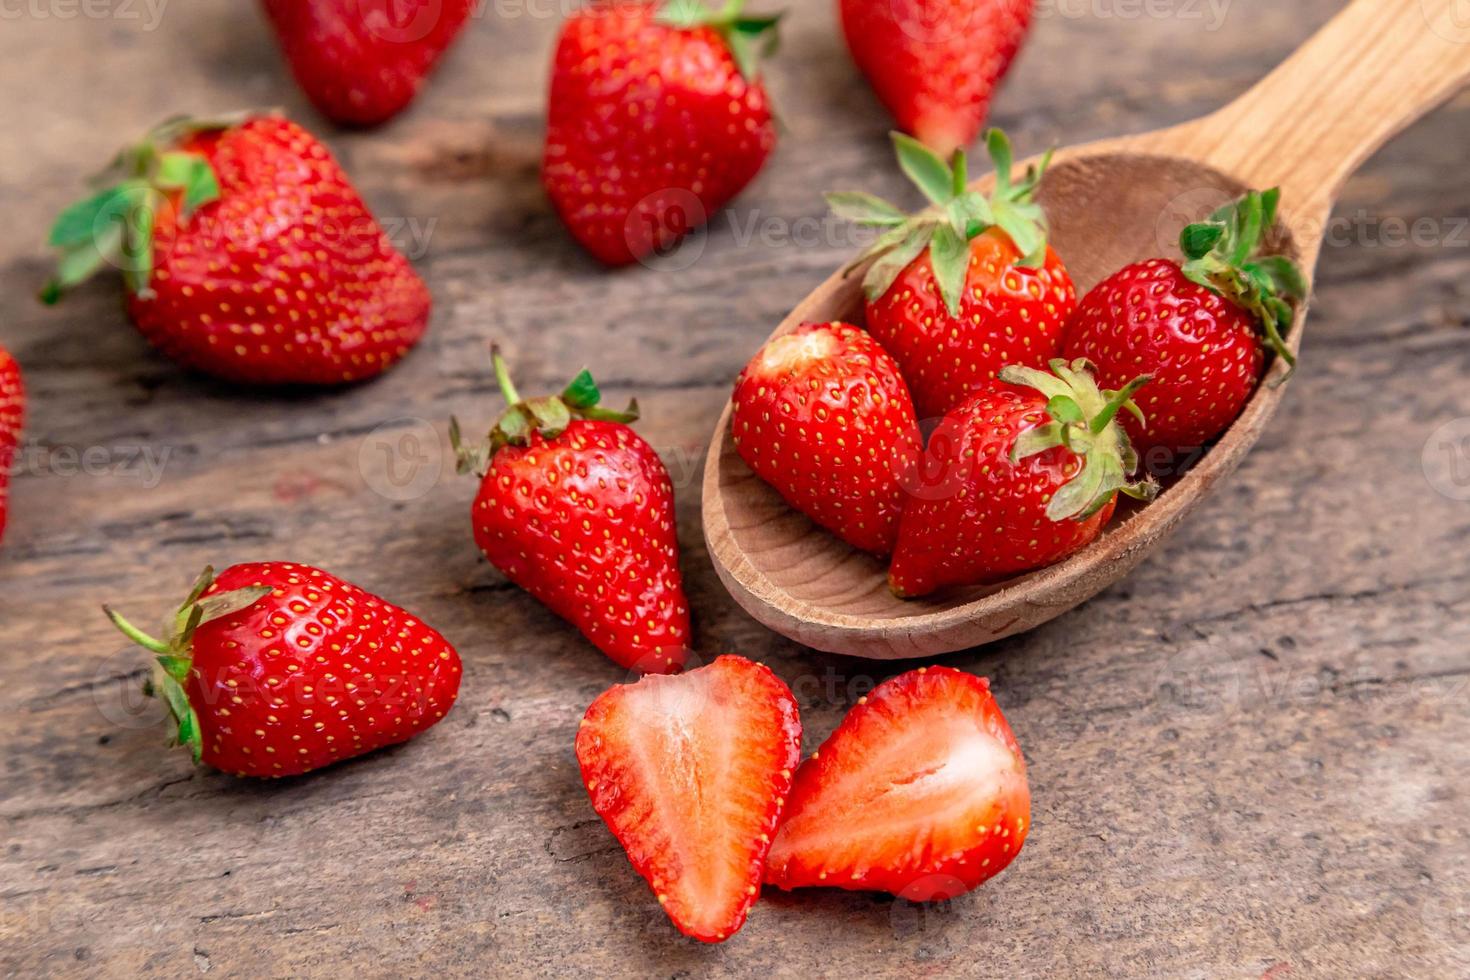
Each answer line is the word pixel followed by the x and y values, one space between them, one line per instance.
pixel 1375 68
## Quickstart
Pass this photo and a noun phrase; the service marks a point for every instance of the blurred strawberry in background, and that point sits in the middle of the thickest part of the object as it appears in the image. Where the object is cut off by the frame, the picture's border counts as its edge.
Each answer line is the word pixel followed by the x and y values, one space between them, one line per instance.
pixel 936 63
pixel 657 118
pixel 363 61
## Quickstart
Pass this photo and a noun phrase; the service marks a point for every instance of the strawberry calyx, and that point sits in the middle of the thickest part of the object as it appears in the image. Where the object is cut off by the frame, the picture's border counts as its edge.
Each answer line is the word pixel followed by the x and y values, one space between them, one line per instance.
pixel 1084 420
pixel 114 226
pixel 750 38
pixel 523 419
pixel 1223 254
pixel 956 215
pixel 174 658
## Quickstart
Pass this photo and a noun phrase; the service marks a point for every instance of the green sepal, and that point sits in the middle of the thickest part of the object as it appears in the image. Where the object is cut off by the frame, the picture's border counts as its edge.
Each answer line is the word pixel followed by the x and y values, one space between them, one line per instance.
pixel 523 420
pixel 1223 254
pixel 1082 418
pixel 115 225
pixel 955 216
pixel 750 39
pixel 173 660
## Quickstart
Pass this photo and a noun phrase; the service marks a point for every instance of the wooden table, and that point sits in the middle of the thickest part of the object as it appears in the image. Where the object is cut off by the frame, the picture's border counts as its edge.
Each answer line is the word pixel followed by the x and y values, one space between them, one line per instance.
pixel 1247 760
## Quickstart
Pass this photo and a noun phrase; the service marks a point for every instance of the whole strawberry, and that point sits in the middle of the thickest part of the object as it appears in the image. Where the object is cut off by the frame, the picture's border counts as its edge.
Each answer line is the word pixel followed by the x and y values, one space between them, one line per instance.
pixel 823 416
pixel 920 792
pixel 575 508
pixel 935 64
pixel 247 255
pixel 276 669
pixel 12 417
pixel 965 287
pixel 690 774
pixel 1201 330
pixel 1023 474
pixel 363 61
pixel 657 118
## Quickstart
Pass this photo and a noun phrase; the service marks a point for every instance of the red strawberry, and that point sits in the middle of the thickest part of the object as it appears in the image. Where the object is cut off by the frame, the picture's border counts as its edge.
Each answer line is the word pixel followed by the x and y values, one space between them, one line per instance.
pixel 575 508
pixel 657 118
pixel 12 416
pixel 920 792
pixel 690 774
pixel 966 287
pixel 363 61
pixel 1021 475
pixel 277 669
pixel 822 415
pixel 935 64
pixel 248 255
pixel 1201 330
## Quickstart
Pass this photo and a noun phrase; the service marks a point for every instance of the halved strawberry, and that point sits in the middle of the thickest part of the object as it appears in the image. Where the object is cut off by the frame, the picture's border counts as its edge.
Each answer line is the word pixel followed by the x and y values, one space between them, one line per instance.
pixel 690 772
pixel 921 791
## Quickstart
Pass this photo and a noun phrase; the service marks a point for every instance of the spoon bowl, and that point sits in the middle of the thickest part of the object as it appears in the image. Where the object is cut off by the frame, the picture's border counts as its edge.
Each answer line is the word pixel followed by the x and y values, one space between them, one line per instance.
pixel 1109 204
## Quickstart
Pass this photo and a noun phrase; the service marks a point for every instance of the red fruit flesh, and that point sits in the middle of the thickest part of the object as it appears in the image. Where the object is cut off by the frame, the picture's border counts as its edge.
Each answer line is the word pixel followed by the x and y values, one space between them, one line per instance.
pixel 935 64
pixel 316 672
pixel 287 278
pixel 585 523
pixel 823 415
pixel 12 416
pixel 1009 314
pixel 974 516
pixel 651 129
pixel 362 61
pixel 690 774
pixel 920 792
pixel 1202 351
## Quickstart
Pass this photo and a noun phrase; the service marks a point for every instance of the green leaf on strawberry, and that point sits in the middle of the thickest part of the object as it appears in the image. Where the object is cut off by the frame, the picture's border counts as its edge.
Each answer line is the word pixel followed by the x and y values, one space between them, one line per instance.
pixel 1083 420
pixel 750 39
pixel 1223 254
pixel 956 216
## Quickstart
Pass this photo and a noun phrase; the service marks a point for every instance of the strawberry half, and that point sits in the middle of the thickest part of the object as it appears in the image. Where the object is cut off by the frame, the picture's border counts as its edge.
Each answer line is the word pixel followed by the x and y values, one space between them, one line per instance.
pixel 822 415
pixel 578 510
pixel 920 792
pixel 12 417
pixel 247 255
pixel 690 773
pixel 363 61
pixel 1202 329
pixel 276 669
pixel 1023 474
pixel 967 286
pixel 935 64
pixel 657 118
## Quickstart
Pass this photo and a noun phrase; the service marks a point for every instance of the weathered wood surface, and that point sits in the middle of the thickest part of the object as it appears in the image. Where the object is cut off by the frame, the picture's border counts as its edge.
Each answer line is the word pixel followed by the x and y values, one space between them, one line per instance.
pixel 1247 759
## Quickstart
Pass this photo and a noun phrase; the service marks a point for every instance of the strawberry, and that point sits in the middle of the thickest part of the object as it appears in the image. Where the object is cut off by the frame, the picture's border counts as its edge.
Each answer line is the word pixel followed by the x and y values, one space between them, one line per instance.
pixel 823 416
pixel 1202 329
pixel 362 61
pixel 1023 474
pixel 247 255
pixel 690 774
pixel 575 508
pixel 935 64
pixel 657 118
pixel 920 792
pixel 965 287
pixel 12 415
pixel 276 669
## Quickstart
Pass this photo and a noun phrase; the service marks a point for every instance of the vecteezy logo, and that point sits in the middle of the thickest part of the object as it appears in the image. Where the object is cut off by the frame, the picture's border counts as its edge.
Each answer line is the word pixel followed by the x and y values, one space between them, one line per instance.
pixel 1184 209
pixel 400 21
pixel 666 229
pixel 402 459
pixel 1446 459
pixel 1450 21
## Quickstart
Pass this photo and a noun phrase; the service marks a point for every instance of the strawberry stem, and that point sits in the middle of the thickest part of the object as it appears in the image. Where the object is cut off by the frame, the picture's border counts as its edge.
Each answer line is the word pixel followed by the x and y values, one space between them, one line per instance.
pixel 502 377
pixel 136 635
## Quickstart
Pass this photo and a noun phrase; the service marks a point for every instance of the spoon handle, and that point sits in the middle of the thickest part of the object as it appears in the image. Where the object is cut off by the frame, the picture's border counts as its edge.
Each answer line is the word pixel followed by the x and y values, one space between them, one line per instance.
pixel 1370 72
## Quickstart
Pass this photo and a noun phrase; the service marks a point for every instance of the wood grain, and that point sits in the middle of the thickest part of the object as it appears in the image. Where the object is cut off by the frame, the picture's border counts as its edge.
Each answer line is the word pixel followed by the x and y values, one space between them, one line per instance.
pixel 1247 756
